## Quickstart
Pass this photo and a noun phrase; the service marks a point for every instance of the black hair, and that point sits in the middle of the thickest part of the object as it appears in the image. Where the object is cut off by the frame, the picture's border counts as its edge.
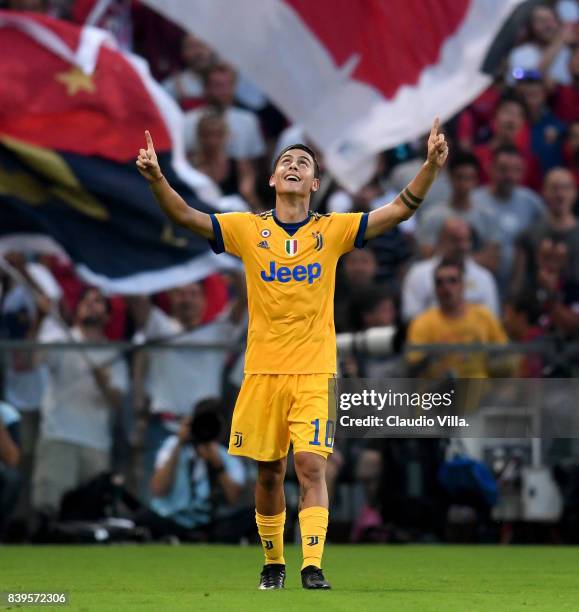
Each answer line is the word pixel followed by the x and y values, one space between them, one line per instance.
pixel 463 158
pixel 450 262
pixel 527 303
pixel 506 149
pixel 366 301
pixel 85 291
pixel 301 147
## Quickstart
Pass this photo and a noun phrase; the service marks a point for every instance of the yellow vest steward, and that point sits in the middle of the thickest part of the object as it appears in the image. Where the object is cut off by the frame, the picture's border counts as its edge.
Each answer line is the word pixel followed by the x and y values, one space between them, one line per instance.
pixel 290 285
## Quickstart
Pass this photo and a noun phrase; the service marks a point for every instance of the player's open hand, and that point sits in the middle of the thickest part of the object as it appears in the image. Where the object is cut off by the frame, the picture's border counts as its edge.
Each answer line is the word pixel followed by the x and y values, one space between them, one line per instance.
pixel 437 146
pixel 147 161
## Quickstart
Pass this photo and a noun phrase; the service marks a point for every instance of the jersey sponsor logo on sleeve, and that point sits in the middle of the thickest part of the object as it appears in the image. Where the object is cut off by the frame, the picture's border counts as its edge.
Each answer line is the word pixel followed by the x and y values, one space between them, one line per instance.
pixel 285 274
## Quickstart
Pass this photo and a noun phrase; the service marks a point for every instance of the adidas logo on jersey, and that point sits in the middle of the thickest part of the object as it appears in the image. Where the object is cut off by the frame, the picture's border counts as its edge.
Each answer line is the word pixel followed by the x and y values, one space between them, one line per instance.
pixel 263 244
pixel 284 274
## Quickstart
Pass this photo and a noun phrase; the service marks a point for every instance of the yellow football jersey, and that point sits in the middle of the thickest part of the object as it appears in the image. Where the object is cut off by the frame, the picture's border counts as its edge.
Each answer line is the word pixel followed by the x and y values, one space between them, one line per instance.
pixel 291 272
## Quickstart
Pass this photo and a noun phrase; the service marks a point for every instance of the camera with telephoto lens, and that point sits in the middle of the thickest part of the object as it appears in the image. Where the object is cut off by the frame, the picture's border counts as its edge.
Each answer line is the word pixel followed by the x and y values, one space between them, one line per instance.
pixel 206 424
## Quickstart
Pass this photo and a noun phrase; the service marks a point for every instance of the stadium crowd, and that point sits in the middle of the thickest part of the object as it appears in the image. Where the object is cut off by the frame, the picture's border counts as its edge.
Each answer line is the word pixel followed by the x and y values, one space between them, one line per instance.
pixel 492 257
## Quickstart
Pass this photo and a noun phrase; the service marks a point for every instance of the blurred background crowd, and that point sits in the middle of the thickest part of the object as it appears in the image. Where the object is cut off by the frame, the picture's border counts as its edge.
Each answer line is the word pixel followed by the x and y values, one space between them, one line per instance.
pixel 137 428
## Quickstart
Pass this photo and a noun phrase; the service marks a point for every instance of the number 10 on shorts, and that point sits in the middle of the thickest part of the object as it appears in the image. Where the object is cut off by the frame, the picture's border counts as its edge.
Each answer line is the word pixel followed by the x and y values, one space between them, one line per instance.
pixel 330 427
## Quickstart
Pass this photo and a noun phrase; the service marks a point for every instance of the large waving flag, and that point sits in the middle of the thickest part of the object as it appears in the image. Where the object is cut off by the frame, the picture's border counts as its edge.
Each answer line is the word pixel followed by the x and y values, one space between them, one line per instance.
pixel 358 75
pixel 73 111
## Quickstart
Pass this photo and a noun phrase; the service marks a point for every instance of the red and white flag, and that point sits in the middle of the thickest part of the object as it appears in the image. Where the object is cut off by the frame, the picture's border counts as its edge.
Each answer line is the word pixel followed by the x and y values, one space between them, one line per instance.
pixel 358 76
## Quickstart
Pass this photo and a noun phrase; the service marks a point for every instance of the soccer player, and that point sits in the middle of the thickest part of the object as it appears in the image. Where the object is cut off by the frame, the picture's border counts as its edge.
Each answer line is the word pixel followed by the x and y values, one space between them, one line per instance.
pixel 290 255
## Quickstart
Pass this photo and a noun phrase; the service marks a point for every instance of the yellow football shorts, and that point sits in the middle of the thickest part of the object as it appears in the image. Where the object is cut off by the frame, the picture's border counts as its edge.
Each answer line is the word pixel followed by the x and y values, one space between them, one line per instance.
pixel 274 409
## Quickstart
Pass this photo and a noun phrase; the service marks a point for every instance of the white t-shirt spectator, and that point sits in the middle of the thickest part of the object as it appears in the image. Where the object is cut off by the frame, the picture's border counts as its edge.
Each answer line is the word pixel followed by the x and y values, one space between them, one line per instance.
pixel 74 408
pixel 244 141
pixel 418 292
pixel 179 379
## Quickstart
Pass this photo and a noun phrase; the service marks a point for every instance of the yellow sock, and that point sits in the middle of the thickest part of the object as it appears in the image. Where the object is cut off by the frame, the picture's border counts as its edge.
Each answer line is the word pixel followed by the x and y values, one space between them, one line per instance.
pixel 313 525
pixel 270 529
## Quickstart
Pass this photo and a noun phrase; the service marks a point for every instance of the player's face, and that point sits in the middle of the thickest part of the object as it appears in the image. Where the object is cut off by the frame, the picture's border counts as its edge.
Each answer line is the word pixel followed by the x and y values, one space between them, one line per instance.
pixel 294 174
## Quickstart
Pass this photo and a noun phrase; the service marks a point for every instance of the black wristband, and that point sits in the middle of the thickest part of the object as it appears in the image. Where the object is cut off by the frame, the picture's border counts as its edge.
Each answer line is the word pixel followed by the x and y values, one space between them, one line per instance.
pixel 407 202
pixel 414 198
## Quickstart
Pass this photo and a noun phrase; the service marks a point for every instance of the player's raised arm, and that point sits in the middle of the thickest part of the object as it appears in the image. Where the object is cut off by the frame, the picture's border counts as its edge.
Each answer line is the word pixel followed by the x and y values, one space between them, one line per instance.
pixel 408 201
pixel 173 205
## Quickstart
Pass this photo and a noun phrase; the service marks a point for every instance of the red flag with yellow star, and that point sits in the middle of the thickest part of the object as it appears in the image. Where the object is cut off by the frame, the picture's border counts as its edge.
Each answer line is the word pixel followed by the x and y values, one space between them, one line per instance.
pixel 70 107
pixel 73 111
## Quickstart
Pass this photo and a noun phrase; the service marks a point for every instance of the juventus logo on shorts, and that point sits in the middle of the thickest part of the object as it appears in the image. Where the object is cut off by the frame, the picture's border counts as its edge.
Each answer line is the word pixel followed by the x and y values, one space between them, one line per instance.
pixel 312 540
pixel 238 439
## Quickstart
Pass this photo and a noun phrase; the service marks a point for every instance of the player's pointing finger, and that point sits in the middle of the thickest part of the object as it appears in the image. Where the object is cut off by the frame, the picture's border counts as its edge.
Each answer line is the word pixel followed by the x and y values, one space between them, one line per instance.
pixel 149 140
pixel 435 126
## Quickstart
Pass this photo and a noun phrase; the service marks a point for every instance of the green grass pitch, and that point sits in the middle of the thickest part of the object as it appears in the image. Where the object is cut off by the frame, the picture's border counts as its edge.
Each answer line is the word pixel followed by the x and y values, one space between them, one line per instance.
pixel 365 578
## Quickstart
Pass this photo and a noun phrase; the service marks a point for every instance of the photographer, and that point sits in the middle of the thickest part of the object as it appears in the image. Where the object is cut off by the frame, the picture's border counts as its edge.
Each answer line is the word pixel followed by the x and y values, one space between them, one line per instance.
pixel 196 484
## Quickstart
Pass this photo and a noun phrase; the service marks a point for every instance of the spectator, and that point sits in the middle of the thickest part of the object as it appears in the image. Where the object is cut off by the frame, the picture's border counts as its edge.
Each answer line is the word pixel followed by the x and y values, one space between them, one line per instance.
pixel 547 131
pixel 474 121
pixel 571 152
pixel 521 321
pixel 370 308
pixel 84 386
pixel 454 321
pixel 559 225
pixel 393 248
pixel 25 376
pixel 358 272
pixel 509 127
pixel 513 207
pixel 547 49
pixel 418 289
pixel 210 157
pixel 196 482
pixel 566 105
pixel 9 462
pixel 463 170
pixel 244 139
pixel 187 85
pixel 558 295
pixel 115 16
pixel 168 381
